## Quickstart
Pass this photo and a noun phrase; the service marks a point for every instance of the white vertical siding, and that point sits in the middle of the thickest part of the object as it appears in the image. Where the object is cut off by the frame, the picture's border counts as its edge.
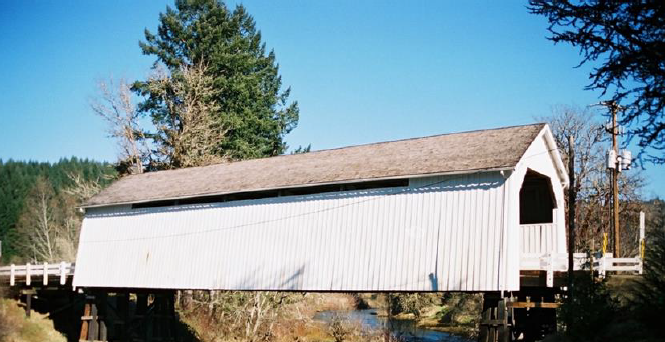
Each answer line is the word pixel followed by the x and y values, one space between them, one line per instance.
pixel 539 238
pixel 439 234
pixel 539 159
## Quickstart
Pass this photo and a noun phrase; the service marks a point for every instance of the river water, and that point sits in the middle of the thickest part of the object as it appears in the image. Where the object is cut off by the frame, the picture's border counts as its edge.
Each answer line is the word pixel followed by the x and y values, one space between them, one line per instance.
pixel 406 330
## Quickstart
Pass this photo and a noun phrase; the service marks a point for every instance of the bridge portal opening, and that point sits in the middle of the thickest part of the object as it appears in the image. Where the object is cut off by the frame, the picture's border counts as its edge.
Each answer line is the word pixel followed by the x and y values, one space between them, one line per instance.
pixel 537 202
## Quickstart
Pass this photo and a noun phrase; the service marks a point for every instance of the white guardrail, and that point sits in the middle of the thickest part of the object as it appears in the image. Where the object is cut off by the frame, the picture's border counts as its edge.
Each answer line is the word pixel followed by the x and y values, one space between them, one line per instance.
pixel 26 273
pixel 549 262
pixel 558 262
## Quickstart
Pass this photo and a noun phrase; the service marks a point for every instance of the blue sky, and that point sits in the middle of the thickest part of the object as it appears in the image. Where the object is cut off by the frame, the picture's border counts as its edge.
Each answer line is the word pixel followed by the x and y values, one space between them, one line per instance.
pixel 362 71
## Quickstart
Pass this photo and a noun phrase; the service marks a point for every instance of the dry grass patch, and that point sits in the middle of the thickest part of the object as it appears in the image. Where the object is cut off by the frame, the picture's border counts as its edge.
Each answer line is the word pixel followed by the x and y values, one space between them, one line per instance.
pixel 16 327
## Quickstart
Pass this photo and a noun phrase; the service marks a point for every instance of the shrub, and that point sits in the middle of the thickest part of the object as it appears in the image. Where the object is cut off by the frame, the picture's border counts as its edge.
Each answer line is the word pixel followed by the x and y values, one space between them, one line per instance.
pixel 590 310
pixel 649 294
pixel 338 329
pixel 410 303
pixel 237 315
pixel 594 315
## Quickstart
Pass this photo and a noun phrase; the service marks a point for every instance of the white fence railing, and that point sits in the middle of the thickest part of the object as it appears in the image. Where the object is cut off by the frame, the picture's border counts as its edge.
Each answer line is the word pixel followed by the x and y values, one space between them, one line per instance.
pixel 538 238
pixel 549 262
pixel 558 262
pixel 26 273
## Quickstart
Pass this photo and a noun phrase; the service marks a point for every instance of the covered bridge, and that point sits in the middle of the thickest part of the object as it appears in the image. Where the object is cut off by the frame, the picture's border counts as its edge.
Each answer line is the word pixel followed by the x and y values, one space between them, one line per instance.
pixel 450 212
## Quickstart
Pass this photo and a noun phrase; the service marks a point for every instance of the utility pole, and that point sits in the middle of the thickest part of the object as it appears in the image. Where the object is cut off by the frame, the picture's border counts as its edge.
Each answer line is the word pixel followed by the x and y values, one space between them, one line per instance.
pixel 571 212
pixel 615 181
pixel 617 161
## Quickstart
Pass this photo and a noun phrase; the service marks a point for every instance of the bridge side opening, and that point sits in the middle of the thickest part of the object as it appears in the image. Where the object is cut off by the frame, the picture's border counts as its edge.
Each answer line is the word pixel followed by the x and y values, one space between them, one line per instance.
pixel 537 201
pixel 293 191
pixel 537 205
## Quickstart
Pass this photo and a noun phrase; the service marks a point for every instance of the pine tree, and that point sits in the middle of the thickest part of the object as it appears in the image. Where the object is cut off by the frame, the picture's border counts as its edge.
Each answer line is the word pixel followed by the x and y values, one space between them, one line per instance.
pixel 248 100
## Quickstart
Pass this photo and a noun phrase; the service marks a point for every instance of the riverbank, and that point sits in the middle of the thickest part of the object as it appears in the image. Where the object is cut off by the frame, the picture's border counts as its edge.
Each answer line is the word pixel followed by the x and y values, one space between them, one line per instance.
pixel 275 316
pixel 222 316
pixel 369 326
pixel 457 314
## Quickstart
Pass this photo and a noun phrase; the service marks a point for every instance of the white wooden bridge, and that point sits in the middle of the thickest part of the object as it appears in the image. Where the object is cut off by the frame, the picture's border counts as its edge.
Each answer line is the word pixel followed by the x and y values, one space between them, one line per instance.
pixel 29 278
pixel 480 211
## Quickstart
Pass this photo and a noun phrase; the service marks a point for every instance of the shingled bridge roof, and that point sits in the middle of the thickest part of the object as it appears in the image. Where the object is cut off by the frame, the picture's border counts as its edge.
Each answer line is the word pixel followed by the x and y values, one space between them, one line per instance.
pixel 490 149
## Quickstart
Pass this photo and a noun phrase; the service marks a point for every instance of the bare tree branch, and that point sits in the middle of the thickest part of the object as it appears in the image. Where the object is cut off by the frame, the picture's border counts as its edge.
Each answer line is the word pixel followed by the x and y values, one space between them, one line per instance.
pixel 192 136
pixel 114 104
pixel 592 179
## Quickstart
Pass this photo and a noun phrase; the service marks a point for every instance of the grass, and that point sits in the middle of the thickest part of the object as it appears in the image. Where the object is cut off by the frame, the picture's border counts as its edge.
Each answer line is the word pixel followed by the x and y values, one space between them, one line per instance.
pixel 16 327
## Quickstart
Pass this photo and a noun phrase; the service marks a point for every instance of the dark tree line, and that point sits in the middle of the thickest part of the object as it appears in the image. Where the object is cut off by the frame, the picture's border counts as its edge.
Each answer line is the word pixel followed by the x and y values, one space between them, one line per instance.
pixel 19 180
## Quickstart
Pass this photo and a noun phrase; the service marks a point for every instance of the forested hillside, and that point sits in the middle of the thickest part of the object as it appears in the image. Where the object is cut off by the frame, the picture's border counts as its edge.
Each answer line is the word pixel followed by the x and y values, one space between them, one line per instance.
pixel 39 197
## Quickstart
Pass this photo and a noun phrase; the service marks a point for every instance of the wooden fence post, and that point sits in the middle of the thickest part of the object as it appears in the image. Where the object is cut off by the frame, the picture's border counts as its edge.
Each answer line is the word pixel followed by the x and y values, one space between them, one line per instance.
pixel 28 303
pixel 28 278
pixel 45 274
pixel 63 274
pixel 12 275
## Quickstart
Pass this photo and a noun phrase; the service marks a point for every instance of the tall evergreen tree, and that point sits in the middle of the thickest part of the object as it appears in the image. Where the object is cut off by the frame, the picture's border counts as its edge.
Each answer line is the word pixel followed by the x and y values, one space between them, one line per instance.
pixel 247 88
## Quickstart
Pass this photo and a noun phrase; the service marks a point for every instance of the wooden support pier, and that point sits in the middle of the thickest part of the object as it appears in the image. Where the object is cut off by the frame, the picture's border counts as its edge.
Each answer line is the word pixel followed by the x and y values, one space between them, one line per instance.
pixel 128 316
pixel 93 324
pixel 527 315
pixel 497 320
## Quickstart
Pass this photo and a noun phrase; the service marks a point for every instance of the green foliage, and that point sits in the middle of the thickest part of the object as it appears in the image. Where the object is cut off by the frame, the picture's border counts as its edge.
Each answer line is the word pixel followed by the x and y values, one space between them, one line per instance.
pixel 625 40
pixel 655 214
pixel 649 296
pixel 248 98
pixel 17 180
pixel 302 149
pixel 596 314
pixel 460 308
pixel 589 311
pixel 411 303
